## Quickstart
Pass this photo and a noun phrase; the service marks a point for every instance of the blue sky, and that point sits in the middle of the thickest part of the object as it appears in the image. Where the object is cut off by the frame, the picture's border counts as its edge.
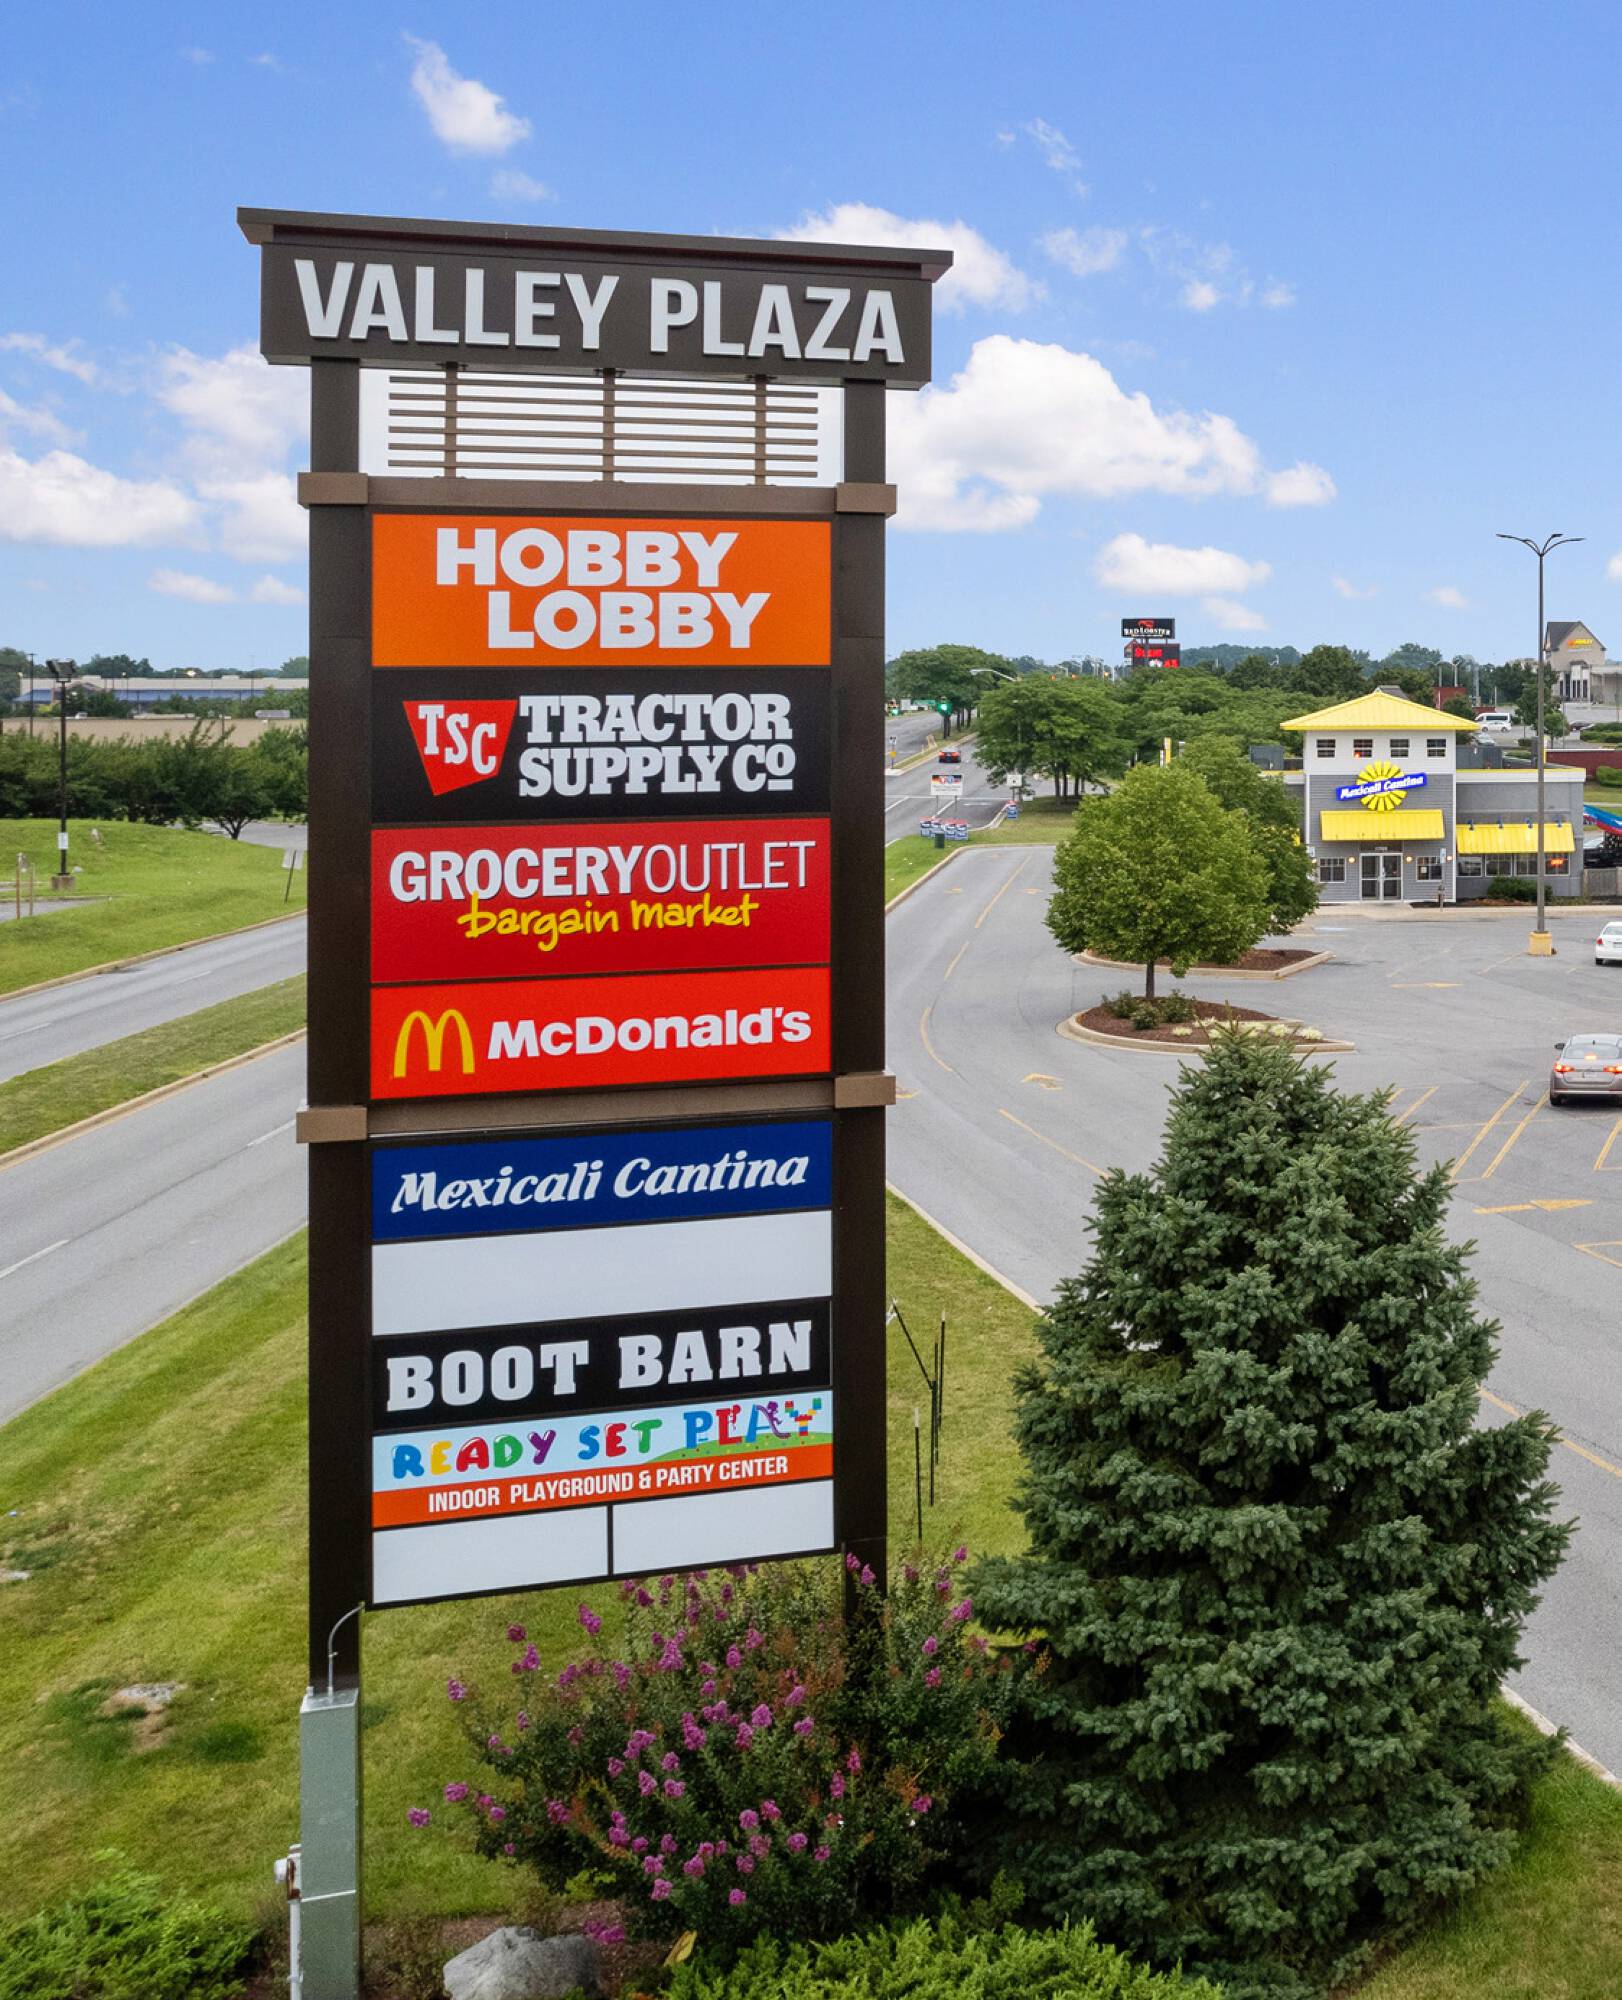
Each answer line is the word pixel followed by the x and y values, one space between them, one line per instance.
pixel 1266 316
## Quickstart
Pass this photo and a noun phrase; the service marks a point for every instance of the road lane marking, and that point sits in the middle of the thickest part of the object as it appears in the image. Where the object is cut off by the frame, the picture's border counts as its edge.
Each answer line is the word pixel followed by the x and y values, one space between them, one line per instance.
pixel 1047 1082
pixel 1423 1098
pixel 1502 1154
pixel 1604 1152
pixel 1552 1431
pixel 1422 985
pixel 986 912
pixel 1588 1249
pixel 1046 1141
pixel 929 1046
pixel 34 1256
pixel 1521 1207
pixel 1514 1097
pixel 962 948
pixel 286 1126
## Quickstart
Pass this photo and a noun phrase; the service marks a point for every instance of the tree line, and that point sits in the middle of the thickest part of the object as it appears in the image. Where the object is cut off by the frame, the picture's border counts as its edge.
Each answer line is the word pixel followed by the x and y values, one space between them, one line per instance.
pixel 178 781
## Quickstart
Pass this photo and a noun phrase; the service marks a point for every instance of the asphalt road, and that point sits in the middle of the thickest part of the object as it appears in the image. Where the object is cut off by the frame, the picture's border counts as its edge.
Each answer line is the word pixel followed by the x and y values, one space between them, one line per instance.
pixel 38 1028
pixel 108 1233
pixel 1004 1127
pixel 908 796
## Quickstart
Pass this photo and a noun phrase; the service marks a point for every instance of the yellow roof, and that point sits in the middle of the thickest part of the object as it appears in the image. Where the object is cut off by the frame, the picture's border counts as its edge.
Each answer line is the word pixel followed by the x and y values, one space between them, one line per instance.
pixel 1379 711
pixel 1520 836
pixel 1380 829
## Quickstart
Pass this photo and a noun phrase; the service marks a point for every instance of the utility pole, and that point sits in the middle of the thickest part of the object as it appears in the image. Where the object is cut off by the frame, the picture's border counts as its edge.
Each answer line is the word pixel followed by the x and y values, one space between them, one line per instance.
pixel 62 671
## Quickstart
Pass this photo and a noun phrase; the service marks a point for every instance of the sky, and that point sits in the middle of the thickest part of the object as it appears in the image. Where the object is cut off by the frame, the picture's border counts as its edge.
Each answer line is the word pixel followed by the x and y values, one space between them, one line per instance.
pixel 1266 317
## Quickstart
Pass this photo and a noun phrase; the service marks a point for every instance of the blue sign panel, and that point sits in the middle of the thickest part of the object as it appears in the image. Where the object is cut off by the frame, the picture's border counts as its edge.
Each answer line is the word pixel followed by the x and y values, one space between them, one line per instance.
pixel 496 1187
pixel 1373 788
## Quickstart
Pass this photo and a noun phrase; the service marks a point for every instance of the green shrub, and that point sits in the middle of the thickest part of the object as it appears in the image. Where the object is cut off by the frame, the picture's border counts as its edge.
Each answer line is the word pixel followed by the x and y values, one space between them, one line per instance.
pixel 1177 1007
pixel 1512 889
pixel 1145 1014
pixel 937 1961
pixel 1608 774
pixel 1120 1004
pixel 123 1939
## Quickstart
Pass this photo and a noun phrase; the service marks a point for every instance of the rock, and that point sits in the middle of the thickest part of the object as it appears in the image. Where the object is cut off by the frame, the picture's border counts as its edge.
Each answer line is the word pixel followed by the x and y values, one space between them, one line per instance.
pixel 150 1695
pixel 519 1964
pixel 15 1575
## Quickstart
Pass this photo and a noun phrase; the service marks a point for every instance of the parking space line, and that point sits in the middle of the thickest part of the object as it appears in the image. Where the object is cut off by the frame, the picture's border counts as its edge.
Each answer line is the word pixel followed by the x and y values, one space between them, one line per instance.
pixel 986 912
pixel 1046 1141
pixel 1605 1151
pixel 1553 1431
pixel 1423 1098
pixel 1599 1249
pixel 1514 1097
pixel 962 948
pixel 929 1046
pixel 1502 1154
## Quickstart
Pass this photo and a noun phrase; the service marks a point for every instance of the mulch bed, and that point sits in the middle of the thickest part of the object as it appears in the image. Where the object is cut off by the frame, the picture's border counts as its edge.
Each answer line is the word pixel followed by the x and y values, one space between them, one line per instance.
pixel 1208 1014
pixel 1264 960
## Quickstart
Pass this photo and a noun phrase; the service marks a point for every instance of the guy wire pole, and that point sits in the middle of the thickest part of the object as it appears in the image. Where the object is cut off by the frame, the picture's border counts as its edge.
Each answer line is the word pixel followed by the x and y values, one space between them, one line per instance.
pixel 1541 945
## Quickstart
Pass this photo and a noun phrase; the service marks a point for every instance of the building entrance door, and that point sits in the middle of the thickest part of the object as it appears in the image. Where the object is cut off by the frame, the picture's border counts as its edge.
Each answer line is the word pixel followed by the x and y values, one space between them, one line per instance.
pixel 1382 878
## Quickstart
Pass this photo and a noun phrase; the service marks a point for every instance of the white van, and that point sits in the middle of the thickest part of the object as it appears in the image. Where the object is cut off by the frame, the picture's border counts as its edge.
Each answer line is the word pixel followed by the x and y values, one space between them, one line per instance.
pixel 1496 721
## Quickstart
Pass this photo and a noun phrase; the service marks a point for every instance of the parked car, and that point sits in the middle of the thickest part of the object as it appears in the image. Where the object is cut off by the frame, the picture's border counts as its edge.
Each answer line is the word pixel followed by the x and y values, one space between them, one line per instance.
pixel 1496 721
pixel 1608 945
pixel 1586 1066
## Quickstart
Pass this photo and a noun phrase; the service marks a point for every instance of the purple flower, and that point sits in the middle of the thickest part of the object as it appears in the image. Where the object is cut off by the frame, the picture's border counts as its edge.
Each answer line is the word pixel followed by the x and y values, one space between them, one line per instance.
pixel 726 1593
pixel 616 1767
pixel 734 1657
pixel 744 1737
pixel 795 1696
pixel 737 1897
pixel 661 1890
pixel 640 1844
pixel 638 1741
pixel 418 1816
pixel 745 1864
pixel 492 1743
pixel 821 1854
pixel 652 1865
pixel 674 1788
pixel 853 1763
pixel 804 1726
pixel 960 1611
pixel 455 1690
pixel 961 1553
pixel 693 1867
pixel 523 1719
pixel 796 1843
pixel 909 1572
pixel 836 1786
pixel 646 1783
pixel 454 1794
pixel 759 1846
pixel 933 1678
pixel 668 1844
pixel 556 1811
pixel 670 1658
pixel 643 1598
pixel 761 1718
pixel 618 1837
pixel 867 1579
pixel 670 1761
pixel 528 1661
pixel 509 1847
pixel 692 1737
pixel 590 1620
pixel 943 1583
pixel 749 1819
pixel 753 1640
pixel 577 1736
pixel 769 1809
pixel 622 1676
pixel 922 1804
pixel 853 1563
pixel 932 1646
pixel 517 1634
pixel 497 1815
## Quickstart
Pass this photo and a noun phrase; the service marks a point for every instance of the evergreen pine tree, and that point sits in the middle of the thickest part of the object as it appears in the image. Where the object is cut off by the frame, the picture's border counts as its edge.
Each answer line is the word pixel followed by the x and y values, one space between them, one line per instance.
pixel 1275 1573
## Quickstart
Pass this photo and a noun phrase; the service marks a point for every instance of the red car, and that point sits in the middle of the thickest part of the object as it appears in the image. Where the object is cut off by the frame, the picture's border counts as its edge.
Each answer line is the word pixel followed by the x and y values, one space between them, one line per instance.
pixel 950 757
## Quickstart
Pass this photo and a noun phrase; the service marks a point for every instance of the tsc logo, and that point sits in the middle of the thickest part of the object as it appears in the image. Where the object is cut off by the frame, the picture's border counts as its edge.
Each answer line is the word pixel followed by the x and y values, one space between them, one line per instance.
pixel 434 1033
pixel 460 743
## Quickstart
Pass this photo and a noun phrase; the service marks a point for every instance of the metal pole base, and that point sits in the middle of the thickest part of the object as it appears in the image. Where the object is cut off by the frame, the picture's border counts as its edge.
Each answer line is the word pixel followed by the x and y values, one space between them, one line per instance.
pixel 330 1844
pixel 61 881
pixel 1540 945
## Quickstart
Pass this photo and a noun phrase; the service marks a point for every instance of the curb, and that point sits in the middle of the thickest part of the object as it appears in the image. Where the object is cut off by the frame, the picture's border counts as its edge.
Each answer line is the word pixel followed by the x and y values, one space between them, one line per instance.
pixel 142 957
pixel 1453 914
pixel 1209 971
pixel 30 1148
pixel 1545 1727
pixel 1072 1031
pixel 918 881
pixel 962 1248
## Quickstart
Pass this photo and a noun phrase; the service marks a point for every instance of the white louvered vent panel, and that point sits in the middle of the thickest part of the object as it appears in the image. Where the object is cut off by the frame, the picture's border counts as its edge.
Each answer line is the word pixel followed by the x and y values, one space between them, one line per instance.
pixel 438 422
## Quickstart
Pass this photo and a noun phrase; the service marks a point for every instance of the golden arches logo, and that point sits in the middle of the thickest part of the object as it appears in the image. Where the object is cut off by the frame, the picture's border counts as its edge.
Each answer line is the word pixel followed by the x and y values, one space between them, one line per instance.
pixel 433 1040
pixel 1381 774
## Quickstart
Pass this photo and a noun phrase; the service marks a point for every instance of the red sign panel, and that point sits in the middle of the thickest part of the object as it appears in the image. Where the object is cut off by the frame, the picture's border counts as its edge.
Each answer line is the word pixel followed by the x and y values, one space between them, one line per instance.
pixel 482 902
pixel 590 1034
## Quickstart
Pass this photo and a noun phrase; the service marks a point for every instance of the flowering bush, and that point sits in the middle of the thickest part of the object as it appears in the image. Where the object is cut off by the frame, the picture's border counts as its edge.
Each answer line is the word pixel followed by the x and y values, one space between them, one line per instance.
pixel 746 1759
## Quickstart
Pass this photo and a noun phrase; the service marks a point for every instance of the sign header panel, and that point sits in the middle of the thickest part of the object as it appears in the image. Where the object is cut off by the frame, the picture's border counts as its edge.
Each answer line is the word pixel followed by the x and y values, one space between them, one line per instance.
pixel 643 896
pixel 517 590
pixel 1148 628
pixel 575 745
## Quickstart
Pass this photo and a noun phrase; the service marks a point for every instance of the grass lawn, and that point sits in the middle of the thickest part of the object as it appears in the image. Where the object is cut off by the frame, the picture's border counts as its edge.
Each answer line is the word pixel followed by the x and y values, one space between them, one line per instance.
pixel 44 1100
pixel 144 887
pixel 906 859
pixel 158 1501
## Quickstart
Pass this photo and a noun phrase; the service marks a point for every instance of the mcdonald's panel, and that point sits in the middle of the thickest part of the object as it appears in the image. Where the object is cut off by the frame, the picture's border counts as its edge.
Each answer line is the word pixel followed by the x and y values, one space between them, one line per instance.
pixel 586 1034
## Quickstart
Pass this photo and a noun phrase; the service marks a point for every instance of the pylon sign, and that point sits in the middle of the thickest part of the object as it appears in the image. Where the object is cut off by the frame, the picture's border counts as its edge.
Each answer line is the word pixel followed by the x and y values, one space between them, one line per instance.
pixel 596 1081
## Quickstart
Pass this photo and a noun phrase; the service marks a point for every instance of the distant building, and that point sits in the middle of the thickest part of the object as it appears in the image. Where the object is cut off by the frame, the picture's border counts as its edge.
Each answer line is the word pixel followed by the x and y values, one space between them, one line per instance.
pixel 1581 671
pixel 190 687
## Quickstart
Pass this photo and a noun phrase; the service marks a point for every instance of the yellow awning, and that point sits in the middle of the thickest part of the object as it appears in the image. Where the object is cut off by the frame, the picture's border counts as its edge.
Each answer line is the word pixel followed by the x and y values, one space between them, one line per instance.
pixel 1519 836
pixel 1383 829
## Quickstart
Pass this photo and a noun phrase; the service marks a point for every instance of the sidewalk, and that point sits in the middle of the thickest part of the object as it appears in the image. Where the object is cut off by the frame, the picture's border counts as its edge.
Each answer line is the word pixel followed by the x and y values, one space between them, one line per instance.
pixel 1391 913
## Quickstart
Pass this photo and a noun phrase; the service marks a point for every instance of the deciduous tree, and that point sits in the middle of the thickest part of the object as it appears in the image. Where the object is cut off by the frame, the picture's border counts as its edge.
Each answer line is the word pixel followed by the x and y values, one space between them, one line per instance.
pixel 1275 825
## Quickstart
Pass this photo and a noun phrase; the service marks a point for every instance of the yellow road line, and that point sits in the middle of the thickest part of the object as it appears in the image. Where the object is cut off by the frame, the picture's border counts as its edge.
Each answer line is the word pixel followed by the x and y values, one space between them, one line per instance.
pixel 929 1046
pixel 1605 1150
pixel 1582 1451
pixel 1502 1154
pixel 1423 1098
pixel 962 948
pixel 986 912
pixel 1463 1160
pixel 1598 1250
pixel 1525 1207
pixel 1046 1141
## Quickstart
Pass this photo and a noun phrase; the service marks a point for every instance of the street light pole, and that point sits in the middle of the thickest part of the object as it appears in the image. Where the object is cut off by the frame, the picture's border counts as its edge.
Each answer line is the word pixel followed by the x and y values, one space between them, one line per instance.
pixel 62 671
pixel 1541 944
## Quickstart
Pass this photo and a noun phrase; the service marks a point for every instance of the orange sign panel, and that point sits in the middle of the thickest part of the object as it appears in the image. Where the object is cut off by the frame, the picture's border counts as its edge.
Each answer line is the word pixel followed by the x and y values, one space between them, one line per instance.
pixel 514 590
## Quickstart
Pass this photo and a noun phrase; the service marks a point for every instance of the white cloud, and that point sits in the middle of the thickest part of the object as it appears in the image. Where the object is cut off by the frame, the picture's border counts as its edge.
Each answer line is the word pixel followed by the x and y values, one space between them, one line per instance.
pixel 508 184
pixel 239 412
pixel 1448 597
pixel 194 589
pixel 465 115
pixel 1300 485
pixel 1613 569
pixel 1348 589
pixel 271 590
pixel 1085 251
pixel 1161 569
pixel 1057 152
pixel 261 519
pixel 1232 617
pixel 60 357
pixel 980 275
pixel 1023 419
pixel 65 500
pixel 1006 138
pixel 1209 274
pixel 36 421
pixel 1276 295
pixel 1199 295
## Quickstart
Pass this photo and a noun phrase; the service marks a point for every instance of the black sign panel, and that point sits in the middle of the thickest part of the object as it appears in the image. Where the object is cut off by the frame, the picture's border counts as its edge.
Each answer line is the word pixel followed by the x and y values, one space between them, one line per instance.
pixel 487 746
pixel 566 1367
pixel 1156 653
pixel 1148 628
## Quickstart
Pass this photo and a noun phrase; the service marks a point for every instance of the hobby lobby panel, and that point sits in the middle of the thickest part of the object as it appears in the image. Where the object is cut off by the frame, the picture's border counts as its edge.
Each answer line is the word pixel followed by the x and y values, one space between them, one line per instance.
pixel 596 1065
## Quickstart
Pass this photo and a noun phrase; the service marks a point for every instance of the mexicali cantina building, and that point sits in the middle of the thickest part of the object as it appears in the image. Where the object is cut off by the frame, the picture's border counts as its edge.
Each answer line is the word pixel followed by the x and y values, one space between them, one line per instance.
pixel 1388 815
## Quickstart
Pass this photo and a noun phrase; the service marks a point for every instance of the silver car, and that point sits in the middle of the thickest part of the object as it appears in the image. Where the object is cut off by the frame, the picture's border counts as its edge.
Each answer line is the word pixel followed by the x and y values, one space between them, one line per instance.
pixel 1586 1066
pixel 1608 945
